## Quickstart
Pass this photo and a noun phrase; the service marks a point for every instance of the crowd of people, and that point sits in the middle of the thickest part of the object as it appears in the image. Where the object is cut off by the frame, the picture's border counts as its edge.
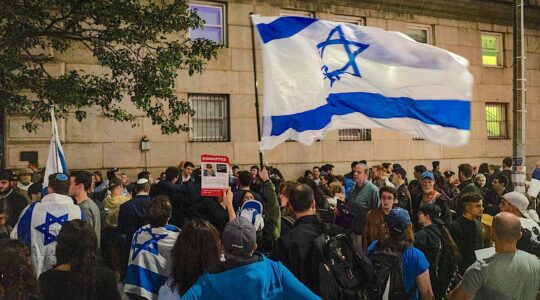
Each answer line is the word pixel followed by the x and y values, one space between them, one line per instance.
pixel 373 233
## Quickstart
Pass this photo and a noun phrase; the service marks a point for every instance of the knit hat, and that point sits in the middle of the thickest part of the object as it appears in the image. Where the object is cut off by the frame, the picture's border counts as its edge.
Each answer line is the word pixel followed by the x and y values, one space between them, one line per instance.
pixel 252 210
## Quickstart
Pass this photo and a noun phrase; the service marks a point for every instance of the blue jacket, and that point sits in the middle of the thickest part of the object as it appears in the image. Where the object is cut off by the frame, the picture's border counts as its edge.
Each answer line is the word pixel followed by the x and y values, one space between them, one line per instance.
pixel 263 279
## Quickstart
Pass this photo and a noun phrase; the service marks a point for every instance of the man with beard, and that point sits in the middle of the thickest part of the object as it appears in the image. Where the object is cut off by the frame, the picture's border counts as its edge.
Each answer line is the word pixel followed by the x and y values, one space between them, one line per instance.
pixel 15 201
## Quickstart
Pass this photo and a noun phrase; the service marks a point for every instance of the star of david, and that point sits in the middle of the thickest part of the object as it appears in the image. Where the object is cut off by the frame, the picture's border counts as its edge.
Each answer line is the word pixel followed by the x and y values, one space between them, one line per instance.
pixel 350 66
pixel 48 237
pixel 150 245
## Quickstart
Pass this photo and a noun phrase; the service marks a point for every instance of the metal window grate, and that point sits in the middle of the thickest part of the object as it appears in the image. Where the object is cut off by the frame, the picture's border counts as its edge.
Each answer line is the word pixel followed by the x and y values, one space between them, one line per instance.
pixel 497 120
pixel 417 138
pixel 354 134
pixel 210 123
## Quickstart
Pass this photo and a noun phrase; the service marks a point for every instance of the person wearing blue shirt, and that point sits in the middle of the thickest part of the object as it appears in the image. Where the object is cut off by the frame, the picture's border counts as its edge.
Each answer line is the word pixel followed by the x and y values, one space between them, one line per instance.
pixel 246 274
pixel 415 264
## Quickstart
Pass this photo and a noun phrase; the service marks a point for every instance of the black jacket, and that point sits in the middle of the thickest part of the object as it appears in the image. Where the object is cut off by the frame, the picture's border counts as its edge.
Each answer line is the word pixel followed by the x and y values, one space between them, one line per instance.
pixel 180 201
pixel 294 250
pixel 16 204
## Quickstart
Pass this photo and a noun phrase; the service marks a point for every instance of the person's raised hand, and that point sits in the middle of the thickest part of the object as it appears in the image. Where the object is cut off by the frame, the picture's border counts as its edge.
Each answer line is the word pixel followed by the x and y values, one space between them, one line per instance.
pixel 263 174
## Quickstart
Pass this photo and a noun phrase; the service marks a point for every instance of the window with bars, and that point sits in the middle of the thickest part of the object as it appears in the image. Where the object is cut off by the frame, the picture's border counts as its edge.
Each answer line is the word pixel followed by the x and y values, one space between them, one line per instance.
pixel 210 123
pixel 355 134
pixel 350 19
pixel 497 120
pixel 214 25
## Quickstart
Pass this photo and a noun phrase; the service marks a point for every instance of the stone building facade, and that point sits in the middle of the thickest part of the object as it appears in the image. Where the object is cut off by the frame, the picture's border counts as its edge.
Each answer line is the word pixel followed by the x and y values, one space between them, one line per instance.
pixel 226 122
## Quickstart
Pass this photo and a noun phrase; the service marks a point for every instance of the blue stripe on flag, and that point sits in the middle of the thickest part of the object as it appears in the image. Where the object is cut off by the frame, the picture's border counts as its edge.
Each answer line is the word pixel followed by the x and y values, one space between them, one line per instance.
pixel 145 279
pixel 62 161
pixel 446 113
pixel 171 228
pixel 283 27
pixel 24 227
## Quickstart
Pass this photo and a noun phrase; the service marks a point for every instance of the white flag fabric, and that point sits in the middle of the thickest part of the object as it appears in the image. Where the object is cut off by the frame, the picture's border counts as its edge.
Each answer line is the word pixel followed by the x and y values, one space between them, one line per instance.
pixel 322 75
pixel 56 162
pixel 40 223
pixel 150 260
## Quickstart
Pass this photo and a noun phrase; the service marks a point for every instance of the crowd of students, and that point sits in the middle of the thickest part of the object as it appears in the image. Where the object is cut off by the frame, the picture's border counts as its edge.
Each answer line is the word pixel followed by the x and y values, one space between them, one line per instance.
pixel 322 235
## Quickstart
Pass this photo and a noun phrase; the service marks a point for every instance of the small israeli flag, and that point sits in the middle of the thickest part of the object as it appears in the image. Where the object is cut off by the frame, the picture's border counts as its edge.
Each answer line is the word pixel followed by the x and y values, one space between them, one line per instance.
pixel 56 161
pixel 322 75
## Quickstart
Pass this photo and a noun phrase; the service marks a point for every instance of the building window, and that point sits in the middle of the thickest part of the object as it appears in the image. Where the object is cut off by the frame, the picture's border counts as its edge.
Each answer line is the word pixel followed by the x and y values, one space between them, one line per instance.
pixel 497 120
pixel 419 33
pixel 492 49
pixel 350 19
pixel 214 23
pixel 355 134
pixel 296 13
pixel 210 123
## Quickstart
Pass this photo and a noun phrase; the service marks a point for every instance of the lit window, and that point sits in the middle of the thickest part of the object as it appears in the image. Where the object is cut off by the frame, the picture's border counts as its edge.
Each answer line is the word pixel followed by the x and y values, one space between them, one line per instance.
pixel 297 13
pixel 497 120
pixel 355 134
pixel 419 33
pixel 214 24
pixel 492 50
pixel 210 123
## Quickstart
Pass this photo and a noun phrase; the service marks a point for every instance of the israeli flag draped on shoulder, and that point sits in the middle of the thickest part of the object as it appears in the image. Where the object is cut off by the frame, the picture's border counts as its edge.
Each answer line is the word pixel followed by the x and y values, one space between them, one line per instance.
pixel 149 260
pixel 39 225
pixel 56 161
pixel 322 75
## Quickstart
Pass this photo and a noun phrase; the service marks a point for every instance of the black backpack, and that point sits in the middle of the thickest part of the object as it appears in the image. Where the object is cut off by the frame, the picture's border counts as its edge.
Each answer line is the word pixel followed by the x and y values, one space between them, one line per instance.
pixel 444 269
pixel 343 272
pixel 388 283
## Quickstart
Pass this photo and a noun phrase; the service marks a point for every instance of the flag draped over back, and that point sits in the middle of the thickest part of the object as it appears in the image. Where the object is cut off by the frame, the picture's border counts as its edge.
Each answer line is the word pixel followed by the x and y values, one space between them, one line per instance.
pixel 322 75
pixel 56 162
pixel 150 260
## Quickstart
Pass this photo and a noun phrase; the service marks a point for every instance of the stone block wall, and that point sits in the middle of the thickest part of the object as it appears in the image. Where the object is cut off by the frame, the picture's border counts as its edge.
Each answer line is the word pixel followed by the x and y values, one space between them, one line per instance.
pixel 98 143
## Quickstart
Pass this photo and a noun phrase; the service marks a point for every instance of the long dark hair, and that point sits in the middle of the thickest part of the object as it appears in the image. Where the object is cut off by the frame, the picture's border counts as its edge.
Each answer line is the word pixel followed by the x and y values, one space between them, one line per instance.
pixel 77 246
pixel 196 249
pixel 398 241
pixel 17 276
pixel 454 250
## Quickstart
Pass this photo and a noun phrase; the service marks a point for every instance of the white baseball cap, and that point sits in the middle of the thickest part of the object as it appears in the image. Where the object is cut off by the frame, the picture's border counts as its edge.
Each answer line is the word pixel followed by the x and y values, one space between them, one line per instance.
pixel 519 201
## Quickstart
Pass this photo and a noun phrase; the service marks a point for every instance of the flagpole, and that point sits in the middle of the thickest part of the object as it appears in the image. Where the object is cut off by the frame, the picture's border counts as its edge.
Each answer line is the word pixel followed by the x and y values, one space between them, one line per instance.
pixel 53 125
pixel 256 87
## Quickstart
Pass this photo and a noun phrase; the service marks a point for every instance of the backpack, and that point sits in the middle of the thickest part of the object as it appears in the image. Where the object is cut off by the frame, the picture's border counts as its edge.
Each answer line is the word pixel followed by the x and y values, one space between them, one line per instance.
pixel 345 217
pixel 342 272
pixel 388 281
pixel 444 269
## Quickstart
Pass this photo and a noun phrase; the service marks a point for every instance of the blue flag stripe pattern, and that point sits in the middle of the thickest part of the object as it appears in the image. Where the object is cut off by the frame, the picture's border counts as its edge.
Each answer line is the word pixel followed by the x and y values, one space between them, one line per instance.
pixel 449 113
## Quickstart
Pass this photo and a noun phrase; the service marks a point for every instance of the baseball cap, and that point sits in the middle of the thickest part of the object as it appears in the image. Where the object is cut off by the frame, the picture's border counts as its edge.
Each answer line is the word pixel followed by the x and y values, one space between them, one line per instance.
pixel 398 219
pixel 114 182
pixel 427 175
pixel 519 201
pixel 433 211
pixel 239 237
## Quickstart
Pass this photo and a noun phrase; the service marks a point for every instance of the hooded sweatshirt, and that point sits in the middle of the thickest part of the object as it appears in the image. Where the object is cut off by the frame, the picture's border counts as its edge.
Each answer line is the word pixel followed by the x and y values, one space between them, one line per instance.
pixel 112 207
pixel 260 279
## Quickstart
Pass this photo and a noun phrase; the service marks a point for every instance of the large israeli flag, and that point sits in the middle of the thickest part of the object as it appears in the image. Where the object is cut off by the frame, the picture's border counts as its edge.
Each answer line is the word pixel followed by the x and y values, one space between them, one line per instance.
pixel 149 263
pixel 56 162
pixel 322 75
